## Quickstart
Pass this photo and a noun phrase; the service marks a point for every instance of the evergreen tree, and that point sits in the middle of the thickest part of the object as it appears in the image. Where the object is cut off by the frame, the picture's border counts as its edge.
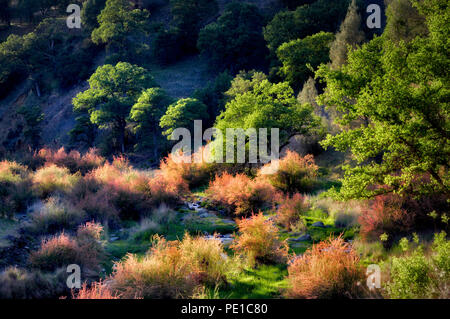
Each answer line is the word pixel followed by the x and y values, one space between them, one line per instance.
pixel 350 34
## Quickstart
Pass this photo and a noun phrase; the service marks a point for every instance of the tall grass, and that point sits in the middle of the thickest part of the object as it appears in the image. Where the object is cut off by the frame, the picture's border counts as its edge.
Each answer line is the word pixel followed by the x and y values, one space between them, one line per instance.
pixel 330 269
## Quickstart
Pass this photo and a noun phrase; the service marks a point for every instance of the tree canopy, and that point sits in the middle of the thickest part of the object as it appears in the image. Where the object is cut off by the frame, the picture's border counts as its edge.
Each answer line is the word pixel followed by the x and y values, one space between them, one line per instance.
pixel 113 90
pixel 394 104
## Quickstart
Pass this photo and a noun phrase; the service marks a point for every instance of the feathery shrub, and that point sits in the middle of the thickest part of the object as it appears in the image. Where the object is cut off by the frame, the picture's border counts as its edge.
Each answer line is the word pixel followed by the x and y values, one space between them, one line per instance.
pixel 258 240
pixel 239 194
pixel 294 174
pixel 330 269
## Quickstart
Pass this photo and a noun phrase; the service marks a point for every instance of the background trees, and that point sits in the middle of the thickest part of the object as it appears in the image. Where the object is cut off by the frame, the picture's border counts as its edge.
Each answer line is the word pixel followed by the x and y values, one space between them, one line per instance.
pixel 122 29
pixel 235 41
pixel 146 114
pixel 113 91
pixel 350 34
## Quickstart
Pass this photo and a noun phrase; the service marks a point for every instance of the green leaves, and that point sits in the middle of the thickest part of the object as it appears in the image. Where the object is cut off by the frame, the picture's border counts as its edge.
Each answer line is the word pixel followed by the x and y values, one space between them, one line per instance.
pixel 393 105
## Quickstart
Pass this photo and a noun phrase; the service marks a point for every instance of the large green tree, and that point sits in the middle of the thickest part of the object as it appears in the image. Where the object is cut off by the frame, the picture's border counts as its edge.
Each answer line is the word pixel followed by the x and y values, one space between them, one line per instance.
pixel 398 94
pixel 182 114
pixel 257 103
pixel 121 28
pixel 146 114
pixel 300 56
pixel 113 90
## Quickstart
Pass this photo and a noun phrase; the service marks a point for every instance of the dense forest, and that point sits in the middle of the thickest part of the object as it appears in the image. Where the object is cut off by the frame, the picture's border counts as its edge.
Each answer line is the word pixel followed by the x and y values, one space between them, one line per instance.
pixel 94 95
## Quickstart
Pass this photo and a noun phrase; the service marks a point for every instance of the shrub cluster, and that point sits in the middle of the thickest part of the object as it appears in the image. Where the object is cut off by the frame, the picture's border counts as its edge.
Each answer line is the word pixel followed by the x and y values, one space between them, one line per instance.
pixel 172 269
pixel 418 274
pixel 62 250
pixel 72 160
pixel 239 194
pixel 294 174
pixel 15 188
pixel 330 269
pixel 17 283
pixel 51 178
pixel 259 242
pixel 290 210
pixel 385 214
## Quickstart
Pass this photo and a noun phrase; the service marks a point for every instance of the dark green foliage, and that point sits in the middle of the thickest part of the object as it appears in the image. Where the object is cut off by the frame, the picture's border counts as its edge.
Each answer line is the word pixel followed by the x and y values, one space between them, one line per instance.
pixel 393 100
pixel 5 11
pixel 213 95
pixel 167 46
pixel 189 16
pixel 235 41
pixel 299 56
pixel 33 116
pixel 292 4
pixel 146 114
pixel 322 15
pixel 182 115
pixel 90 11
pixel 122 30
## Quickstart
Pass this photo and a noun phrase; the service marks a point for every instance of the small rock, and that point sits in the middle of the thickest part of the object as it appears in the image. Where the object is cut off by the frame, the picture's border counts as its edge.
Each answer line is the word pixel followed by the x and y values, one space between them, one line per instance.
pixel 318 224
pixel 113 238
pixel 302 238
pixel 228 221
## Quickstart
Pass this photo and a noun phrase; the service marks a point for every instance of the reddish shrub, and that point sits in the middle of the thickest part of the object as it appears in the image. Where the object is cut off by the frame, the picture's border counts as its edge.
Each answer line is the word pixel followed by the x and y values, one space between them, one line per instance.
pixel 194 173
pixel 58 251
pixel 290 210
pixel 294 173
pixel 72 160
pixel 385 215
pixel 259 241
pixel 97 290
pixel 239 194
pixel 329 269
pixel 63 250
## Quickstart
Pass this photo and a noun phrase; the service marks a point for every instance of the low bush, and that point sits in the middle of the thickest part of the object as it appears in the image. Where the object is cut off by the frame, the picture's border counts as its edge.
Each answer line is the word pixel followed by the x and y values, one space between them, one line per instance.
pixel 418 274
pixel 259 242
pixel 15 188
pixel 194 173
pixel 84 250
pixel 239 194
pixel 72 160
pixel 53 216
pixel 385 215
pixel 16 283
pixel 294 174
pixel 125 186
pixel 50 179
pixel 290 210
pixel 171 269
pixel 330 269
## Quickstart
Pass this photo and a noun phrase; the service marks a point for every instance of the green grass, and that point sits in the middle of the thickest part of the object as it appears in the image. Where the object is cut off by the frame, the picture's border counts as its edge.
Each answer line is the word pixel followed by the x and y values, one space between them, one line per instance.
pixel 266 281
